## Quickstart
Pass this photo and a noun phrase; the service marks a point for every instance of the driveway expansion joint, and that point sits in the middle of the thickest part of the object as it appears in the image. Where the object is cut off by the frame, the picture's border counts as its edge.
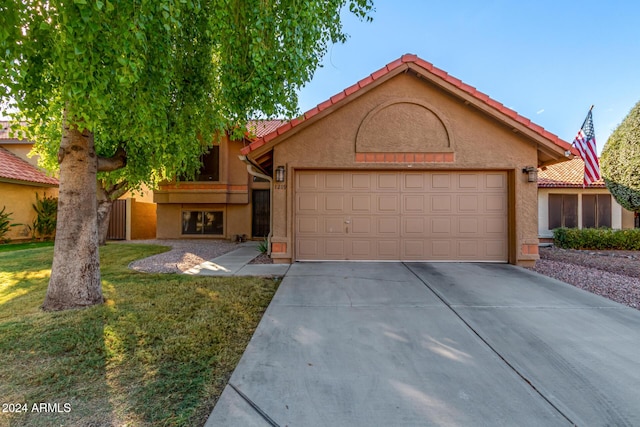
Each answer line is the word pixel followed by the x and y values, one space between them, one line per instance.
pixel 255 407
pixel 494 350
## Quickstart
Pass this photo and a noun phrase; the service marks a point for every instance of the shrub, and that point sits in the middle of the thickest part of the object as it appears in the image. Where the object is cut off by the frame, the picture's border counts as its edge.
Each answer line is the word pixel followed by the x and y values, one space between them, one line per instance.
pixel 5 224
pixel 597 239
pixel 44 226
pixel 263 246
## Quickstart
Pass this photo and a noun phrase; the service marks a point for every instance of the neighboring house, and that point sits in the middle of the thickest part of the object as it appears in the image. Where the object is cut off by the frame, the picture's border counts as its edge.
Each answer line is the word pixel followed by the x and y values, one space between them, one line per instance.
pixel 563 202
pixel 134 215
pixel 408 164
pixel 20 181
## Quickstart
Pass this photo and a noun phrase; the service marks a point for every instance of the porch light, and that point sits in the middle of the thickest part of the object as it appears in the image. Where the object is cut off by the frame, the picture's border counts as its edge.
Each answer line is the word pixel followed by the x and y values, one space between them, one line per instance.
pixel 532 172
pixel 281 174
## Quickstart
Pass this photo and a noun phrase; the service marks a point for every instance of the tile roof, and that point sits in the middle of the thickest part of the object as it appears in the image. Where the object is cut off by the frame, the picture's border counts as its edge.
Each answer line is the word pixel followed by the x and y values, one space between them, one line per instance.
pixel 260 128
pixel 565 175
pixel 4 132
pixel 404 62
pixel 14 168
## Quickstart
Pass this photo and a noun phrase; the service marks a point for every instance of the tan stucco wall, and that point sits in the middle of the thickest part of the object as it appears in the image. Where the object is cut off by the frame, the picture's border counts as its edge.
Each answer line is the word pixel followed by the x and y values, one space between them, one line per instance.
pixel 237 220
pixel 231 195
pixel 19 199
pixel 477 141
pixel 620 217
pixel 143 220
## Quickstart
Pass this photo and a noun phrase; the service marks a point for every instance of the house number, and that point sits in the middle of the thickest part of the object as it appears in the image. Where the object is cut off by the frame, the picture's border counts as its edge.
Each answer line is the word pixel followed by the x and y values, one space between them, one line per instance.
pixel 281 186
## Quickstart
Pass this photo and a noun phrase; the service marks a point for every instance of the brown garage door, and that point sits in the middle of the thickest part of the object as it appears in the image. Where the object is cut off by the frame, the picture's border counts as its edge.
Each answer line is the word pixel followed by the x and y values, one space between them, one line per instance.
pixel 365 215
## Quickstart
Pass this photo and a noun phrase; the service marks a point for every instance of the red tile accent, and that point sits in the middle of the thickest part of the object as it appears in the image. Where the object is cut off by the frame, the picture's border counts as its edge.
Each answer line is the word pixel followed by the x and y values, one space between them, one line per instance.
pixel 295 122
pixel 409 157
pixel 267 138
pixel 311 113
pixel 523 120
pixel 362 83
pixel 429 68
pixel 282 129
pixel 525 249
pixel 352 89
pixel 400 157
pixel 467 88
pixel 419 158
pixel 428 158
pixel 533 249
pixel 455 81
pixel 381 72
pixel 338 97
pixel 278 247
pixel 395 64
pixel 325 105
pixel 379 157
pixel 370 157
pixel 438 157
pixel 389 157
pixel 360 157
pixel 440 73
pixel 448 157
pixel 495 104
pixel 409 57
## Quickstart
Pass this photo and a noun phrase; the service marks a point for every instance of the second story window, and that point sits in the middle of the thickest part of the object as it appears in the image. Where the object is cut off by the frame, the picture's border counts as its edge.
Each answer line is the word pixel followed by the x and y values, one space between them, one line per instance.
pixel 210 170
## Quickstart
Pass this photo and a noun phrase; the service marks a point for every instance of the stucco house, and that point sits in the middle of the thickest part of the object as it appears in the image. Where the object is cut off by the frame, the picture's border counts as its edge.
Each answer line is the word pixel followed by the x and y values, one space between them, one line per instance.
pixel 563 202
pixel 409 164
pixel 20 181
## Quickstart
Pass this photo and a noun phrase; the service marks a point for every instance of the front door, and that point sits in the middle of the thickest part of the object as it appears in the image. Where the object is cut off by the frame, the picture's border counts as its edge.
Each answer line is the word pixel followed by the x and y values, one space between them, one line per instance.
pixel 260 223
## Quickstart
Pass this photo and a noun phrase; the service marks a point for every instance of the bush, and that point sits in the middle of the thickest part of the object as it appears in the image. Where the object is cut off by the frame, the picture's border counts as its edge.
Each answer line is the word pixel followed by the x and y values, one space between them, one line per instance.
pixel 5 224
pixel 263 246
pixel 44 226
pixel 597 239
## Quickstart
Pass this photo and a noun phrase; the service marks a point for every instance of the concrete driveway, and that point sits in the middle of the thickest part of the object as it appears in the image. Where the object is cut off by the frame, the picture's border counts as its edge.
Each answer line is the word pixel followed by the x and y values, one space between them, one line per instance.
pixel 420 344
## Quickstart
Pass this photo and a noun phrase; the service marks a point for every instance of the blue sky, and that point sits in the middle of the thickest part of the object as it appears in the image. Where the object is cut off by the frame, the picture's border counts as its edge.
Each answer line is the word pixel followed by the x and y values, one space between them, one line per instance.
pixel 547 60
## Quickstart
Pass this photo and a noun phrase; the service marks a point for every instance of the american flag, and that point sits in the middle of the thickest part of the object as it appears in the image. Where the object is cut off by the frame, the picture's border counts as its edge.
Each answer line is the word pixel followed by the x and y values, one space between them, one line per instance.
pixel 585 142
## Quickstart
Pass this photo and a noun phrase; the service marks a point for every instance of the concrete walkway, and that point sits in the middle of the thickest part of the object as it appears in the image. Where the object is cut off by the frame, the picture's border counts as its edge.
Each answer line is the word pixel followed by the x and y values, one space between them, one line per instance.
pixel 416 344
pixel 236 263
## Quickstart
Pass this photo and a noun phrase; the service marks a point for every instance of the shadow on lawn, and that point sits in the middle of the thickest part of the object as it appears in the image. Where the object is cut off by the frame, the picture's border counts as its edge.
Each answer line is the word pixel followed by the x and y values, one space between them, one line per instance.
pixel 158 352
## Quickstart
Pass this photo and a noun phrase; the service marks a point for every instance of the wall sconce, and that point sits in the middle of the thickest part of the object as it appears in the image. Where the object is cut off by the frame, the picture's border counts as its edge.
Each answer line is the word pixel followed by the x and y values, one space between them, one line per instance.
pixel 532 172
pixel 281 174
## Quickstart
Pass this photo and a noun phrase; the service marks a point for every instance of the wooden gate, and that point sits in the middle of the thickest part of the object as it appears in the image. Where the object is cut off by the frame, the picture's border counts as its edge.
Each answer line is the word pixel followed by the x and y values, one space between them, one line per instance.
pixel 118 221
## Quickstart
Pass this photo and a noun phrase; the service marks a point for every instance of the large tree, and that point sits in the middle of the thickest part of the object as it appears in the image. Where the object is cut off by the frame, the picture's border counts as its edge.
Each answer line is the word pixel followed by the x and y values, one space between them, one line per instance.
pixel 137 90
pixel 620 161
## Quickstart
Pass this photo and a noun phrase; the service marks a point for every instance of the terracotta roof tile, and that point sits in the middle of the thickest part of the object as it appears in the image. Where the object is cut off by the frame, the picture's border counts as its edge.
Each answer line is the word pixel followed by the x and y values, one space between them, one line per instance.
pixel 260 128
pixel 565 175
pixel 14 168
pixel 429 68
pixel 5 130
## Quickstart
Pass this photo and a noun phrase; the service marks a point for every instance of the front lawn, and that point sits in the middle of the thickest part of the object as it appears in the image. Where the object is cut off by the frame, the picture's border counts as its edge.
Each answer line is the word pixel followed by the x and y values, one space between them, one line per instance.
pixel 157 353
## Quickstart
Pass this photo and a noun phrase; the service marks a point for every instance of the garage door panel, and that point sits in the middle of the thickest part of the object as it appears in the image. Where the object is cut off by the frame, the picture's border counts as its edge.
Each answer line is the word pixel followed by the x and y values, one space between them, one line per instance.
pixel 334 225
pixel 361 225
pixel 333 203
pixel 308 225
pixel 387 203
pixel 361 203
pixel 401 215
pixel 440 203
pixel 388 182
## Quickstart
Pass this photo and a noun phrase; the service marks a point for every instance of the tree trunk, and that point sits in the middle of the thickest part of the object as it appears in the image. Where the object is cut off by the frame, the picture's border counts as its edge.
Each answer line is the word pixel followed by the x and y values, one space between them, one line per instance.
pixel 104 215
pixel 107 194
pixel 75 273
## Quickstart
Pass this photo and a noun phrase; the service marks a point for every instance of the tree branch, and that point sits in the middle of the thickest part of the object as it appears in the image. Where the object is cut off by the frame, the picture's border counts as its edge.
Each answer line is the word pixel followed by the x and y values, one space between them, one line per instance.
pixel 117 161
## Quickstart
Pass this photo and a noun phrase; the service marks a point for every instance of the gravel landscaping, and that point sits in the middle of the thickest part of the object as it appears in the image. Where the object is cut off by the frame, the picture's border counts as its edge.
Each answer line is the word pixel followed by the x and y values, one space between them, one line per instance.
pixel 184 254
pixel 611 274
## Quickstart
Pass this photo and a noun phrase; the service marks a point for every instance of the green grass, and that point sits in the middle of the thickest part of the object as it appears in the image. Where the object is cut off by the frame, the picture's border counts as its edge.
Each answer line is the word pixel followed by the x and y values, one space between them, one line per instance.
pixel 157 353
pixel 9 247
